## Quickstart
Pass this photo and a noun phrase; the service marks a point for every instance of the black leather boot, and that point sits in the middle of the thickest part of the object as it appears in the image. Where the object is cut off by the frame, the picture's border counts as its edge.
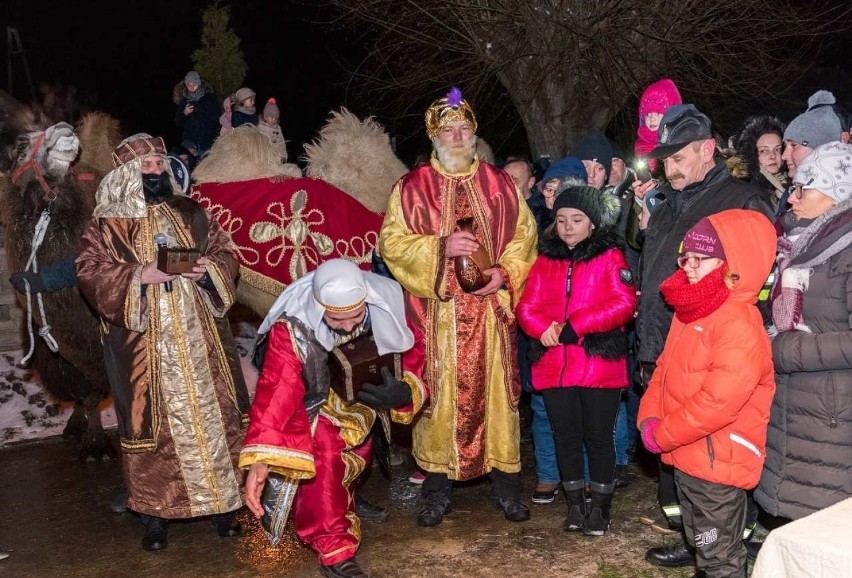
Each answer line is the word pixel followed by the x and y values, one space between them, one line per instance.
pixel 622 476
pixel 513 509
pixel 346 569
pixel 225 526
pixel 576 496
pixel 597 524
pixel 156 533
pixel 369 512
pixel 435 506
pixel 671 556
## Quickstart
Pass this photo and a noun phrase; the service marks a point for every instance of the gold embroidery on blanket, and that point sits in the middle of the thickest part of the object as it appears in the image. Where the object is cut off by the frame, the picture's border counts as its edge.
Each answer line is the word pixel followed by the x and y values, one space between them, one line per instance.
pixel 290 230
pixel 261 281
pixel 230 224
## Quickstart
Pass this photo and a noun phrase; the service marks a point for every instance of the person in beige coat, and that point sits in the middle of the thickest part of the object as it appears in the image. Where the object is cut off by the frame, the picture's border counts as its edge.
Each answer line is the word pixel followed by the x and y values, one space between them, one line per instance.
pixel 268 125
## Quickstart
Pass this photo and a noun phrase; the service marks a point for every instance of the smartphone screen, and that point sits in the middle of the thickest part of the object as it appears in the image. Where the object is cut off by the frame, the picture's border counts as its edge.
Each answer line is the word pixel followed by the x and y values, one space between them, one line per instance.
pixel 643 173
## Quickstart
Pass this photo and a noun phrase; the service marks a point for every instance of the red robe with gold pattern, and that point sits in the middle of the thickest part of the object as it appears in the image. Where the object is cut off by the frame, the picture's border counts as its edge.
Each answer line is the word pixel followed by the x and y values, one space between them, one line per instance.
pixel 466 343
pixel 326 456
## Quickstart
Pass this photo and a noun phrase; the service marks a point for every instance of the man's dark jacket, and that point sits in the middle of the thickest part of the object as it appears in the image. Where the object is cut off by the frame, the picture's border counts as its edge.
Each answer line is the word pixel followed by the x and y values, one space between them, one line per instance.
pixel 201 126
pixel 670 221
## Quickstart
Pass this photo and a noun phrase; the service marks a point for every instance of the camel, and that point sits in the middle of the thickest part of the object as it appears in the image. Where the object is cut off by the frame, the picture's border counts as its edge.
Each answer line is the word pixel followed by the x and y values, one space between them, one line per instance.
pixel 40 168
pixel 37 159
pixel 284 225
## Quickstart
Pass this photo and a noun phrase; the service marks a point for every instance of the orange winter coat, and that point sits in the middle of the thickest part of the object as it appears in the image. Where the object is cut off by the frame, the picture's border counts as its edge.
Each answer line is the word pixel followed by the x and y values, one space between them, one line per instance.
pixel 714 381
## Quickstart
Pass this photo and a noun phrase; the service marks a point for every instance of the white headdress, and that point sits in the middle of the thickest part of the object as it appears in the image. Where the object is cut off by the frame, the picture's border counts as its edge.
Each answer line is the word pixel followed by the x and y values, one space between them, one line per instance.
pixel 339 285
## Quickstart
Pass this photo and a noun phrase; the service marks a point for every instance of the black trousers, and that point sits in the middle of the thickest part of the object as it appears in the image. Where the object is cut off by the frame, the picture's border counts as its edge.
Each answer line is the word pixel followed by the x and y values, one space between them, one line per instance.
pixel 578 415
pixel 666 491
pixel 714 517
pixel 667 495
pixel 503 485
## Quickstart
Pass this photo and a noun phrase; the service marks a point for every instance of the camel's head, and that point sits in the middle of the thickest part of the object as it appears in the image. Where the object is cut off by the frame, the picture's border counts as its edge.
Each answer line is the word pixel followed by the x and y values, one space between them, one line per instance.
pixel 32 150
pixel 45 155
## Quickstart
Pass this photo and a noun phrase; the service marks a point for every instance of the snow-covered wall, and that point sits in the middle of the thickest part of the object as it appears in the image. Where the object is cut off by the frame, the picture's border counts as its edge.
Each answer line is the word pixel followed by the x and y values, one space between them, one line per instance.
pixel 28 412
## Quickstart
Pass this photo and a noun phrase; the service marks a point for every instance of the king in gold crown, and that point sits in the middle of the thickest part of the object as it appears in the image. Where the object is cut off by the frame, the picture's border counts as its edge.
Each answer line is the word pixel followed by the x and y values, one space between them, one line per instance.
pixel 446 110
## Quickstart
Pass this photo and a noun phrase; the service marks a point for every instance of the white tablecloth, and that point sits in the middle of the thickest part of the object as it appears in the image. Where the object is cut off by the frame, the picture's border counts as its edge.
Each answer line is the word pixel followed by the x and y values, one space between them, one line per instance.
pixel 816 546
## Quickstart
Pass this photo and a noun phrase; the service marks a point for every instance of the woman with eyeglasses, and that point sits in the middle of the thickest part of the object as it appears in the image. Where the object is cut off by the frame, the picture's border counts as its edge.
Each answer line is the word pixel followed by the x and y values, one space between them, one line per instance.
pixel 759 146
pixel 707 405
pixel 809 448
pixel 578 299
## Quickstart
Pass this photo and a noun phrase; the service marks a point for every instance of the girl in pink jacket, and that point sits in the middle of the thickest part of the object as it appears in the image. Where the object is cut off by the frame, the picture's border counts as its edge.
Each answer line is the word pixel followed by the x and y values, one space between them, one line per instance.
pixel 578 299
pixel 656 100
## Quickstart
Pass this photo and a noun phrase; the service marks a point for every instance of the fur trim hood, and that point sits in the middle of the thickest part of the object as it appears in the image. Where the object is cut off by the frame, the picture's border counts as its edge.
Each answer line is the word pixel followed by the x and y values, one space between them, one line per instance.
pixel 602 207
pixel 745 142
pixel 600 241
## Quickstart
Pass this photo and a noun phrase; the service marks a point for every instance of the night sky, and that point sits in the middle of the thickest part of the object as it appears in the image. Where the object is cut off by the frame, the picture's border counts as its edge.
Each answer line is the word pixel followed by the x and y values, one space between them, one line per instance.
pixel 125 58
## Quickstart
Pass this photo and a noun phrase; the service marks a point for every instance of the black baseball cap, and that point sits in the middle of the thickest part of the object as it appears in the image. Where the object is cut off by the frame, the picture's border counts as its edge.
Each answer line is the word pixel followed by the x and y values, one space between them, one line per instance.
pixel 681 125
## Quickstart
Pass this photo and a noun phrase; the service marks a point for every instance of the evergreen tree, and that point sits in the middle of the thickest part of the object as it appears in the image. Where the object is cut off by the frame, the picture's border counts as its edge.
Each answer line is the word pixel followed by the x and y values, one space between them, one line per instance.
pixel 220 60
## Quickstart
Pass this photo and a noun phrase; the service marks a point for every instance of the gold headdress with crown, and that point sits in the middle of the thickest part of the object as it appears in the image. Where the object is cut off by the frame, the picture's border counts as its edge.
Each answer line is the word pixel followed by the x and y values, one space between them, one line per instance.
pixel 446 110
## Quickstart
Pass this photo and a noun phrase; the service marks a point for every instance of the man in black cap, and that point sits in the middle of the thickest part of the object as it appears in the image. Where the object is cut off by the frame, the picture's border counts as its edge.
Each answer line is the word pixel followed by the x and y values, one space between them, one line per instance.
pixel 699 186
pixel 595 151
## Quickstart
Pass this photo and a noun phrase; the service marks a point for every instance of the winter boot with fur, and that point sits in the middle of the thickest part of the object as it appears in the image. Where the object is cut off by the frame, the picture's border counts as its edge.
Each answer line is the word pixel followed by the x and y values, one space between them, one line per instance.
pixel 576 496
pixel 597 523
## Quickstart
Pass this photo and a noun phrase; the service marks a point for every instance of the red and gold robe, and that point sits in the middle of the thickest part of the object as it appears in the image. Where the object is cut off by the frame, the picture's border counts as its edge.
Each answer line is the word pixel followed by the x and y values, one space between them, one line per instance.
pixel 175 374
pixel 466 344
pixel 327 456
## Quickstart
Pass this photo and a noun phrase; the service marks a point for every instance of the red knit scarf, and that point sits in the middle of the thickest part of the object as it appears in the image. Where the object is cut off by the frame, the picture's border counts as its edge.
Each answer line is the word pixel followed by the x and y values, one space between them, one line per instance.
pixel 692 302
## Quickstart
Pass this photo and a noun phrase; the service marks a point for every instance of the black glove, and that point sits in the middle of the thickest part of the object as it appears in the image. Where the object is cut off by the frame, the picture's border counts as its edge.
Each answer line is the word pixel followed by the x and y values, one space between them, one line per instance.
pixel 568 336
pixel 35 280
pixel 393 393
pixel 206 282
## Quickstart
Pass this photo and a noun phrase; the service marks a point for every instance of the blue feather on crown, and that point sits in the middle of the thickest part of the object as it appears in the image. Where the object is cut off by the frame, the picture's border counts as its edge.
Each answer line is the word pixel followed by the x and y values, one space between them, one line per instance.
pixel 454 97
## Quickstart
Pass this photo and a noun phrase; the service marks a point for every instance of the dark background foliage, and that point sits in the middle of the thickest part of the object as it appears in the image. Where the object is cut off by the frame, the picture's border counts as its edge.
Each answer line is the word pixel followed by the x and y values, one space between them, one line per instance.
pixel 125 60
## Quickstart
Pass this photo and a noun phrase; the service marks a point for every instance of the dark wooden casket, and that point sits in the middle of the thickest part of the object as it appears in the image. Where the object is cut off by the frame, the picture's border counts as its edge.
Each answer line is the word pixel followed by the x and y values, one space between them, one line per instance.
pixel 175 261
pixel 358 362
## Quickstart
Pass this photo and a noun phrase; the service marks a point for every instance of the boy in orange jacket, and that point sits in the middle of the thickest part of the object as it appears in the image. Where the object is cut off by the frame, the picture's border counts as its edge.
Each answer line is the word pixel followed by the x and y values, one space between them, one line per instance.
pixel 707 405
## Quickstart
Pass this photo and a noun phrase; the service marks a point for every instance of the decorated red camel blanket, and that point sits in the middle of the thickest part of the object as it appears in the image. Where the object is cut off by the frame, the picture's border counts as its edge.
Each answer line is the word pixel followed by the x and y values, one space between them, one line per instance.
pixel 284 227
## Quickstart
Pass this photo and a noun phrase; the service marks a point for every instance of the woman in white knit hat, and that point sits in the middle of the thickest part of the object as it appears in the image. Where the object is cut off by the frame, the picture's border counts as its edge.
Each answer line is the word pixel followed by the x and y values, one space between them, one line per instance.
pixel 808 448
pixel 243 110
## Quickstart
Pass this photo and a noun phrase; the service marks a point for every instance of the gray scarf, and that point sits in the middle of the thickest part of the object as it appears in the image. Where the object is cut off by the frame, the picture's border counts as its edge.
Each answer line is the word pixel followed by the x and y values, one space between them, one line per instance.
pixel 801 249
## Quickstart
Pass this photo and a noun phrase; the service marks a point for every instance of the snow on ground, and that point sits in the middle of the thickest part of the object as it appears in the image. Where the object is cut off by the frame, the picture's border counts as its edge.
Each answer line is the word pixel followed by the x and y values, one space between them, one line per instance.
pixel 28 412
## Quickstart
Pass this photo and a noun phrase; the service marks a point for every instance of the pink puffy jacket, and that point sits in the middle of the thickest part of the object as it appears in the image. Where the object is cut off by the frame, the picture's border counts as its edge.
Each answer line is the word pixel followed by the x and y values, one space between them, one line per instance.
pixel 601 304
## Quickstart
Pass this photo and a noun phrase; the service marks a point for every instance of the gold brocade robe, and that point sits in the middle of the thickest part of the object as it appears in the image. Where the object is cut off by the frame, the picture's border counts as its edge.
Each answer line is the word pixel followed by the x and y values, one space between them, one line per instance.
pixel 466 344
pixel 179 393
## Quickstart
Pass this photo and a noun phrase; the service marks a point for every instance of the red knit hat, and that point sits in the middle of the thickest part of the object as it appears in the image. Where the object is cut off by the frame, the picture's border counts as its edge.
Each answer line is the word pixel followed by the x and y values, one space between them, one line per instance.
pixel 703 238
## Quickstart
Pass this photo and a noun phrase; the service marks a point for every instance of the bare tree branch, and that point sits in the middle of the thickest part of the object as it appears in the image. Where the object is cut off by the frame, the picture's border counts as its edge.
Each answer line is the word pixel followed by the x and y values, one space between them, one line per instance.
pixel 568 66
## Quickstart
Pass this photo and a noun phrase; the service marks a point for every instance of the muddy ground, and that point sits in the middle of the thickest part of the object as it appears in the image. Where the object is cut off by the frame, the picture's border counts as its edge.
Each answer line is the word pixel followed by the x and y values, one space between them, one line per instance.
pixel 55 517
